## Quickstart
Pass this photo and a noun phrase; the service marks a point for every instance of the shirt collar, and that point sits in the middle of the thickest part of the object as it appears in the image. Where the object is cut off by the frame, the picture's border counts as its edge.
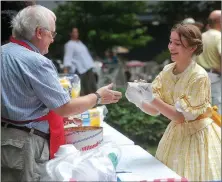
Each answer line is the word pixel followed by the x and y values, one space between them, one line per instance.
pixel 32 46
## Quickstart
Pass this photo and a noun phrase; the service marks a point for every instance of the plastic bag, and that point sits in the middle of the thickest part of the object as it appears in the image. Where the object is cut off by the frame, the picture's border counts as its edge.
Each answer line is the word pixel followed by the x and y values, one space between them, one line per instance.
pixel 91 117
pixel 94 117
pixel 71 83
pixel 94 165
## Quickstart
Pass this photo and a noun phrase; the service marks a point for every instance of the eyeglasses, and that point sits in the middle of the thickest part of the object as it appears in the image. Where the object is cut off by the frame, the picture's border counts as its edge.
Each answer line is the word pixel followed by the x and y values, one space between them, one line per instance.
pixel 52 33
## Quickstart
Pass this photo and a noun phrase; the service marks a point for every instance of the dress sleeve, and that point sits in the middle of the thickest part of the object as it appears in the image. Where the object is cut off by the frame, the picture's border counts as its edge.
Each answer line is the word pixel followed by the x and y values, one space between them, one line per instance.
pixel 196 98
pixel 157 87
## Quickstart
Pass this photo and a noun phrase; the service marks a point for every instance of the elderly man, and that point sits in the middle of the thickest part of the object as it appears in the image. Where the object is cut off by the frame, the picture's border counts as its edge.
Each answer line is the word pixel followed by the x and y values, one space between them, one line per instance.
pixel 33 101
pixel 210 59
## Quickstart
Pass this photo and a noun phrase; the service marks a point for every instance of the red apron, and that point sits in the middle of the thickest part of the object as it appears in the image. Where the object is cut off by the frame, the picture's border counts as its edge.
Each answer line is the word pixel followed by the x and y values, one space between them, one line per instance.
pixel 56 124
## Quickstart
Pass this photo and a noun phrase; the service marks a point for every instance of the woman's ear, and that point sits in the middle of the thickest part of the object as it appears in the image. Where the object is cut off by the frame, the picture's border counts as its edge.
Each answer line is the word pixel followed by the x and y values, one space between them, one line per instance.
pixel 193 48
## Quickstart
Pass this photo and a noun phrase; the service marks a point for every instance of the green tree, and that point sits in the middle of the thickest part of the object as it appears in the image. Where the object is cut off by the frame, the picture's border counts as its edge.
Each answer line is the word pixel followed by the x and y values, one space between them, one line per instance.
pixel 175 11
pixel 102 25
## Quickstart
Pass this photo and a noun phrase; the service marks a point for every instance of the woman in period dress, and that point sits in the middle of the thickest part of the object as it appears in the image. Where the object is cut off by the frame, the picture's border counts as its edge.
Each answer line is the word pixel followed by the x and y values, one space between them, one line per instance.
pixel 191 144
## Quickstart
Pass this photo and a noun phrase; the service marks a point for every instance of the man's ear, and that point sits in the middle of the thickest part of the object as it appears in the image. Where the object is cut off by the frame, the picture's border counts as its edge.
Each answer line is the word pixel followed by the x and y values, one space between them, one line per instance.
pixel 38 33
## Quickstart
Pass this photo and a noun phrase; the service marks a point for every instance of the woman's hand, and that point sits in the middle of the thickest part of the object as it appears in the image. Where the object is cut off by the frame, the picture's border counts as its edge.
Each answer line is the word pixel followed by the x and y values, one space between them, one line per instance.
pixel 133 95
pixel 146 92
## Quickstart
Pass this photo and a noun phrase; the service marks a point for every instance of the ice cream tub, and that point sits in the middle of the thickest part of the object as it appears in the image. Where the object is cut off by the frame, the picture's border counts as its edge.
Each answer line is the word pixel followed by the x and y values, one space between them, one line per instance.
pixel 84 137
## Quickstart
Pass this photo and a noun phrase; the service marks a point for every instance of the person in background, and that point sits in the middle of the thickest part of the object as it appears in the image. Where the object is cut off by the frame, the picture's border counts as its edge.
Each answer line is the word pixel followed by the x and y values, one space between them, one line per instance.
pixel 191 144
pixel 210 59
pixel 33 102
pixel 77 59
pixel 193 22
pixel 127 74
pixel 110 57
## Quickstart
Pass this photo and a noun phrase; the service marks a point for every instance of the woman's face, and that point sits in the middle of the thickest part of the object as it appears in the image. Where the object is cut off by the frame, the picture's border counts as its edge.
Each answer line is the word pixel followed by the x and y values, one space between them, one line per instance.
pixel 180 51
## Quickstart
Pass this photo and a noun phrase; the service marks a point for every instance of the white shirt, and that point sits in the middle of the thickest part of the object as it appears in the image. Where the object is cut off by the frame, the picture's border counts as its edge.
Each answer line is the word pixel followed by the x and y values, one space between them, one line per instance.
pixel 77 57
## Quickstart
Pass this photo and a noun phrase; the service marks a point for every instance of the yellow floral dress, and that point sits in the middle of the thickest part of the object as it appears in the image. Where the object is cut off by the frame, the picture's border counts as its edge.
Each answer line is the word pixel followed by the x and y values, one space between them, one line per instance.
pixel 192 149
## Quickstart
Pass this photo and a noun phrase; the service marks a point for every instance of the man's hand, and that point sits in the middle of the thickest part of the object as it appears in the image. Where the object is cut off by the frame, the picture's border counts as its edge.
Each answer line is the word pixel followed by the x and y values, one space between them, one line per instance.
pixel 81 104
pixel 109 96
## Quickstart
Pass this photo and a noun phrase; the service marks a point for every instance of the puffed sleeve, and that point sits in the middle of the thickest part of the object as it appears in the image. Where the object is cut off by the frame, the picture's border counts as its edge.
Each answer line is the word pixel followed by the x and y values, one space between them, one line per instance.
pixel 157 87
pixel 196 98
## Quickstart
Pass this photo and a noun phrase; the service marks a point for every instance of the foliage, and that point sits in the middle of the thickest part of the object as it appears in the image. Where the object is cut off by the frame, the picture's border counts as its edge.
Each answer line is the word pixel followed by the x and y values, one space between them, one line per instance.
pixel 143 129
pixel 102 24
pixel 175 11
pixel 160 58
pixel 8 10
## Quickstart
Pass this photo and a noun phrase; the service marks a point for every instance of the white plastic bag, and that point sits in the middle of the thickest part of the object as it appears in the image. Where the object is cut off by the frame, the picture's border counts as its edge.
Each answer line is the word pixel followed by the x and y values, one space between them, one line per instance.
pixel 94 165
pixel 71 83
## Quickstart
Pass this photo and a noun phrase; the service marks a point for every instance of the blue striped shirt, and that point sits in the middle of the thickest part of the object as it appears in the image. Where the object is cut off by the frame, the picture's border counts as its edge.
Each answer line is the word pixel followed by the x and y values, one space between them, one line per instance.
pixel 29 85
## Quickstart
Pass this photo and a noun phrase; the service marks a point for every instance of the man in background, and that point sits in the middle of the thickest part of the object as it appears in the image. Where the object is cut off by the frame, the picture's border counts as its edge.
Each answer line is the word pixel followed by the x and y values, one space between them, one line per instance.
pixel 77 59
pixel 192 21
pixel 210 59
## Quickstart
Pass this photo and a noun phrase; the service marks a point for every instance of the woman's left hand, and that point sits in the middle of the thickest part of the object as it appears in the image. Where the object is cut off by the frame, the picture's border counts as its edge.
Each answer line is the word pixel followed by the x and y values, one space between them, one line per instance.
pixel 146 91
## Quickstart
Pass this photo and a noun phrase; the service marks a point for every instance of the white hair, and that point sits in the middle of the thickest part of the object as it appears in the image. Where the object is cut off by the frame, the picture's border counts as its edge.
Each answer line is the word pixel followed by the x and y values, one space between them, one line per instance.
pixel 188 21
pixel 24 24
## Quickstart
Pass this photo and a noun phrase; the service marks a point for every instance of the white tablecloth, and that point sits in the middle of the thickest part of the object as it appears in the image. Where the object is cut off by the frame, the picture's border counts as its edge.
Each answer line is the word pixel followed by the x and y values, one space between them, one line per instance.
pixel 112 135
pixel 139 163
